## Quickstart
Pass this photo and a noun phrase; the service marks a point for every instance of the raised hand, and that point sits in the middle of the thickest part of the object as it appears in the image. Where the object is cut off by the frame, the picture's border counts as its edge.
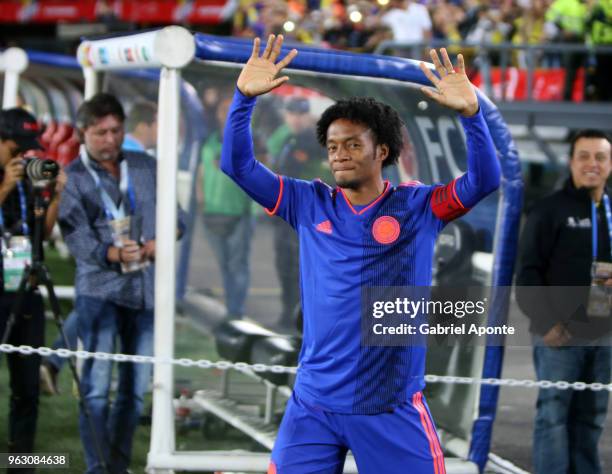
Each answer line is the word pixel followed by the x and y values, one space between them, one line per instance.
pixel 453 89
pixel 259 73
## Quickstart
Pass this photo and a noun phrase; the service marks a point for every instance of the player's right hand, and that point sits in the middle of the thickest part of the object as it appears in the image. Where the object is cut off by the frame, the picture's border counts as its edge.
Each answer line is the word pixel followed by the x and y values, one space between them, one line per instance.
pixel 13 173
pixel 259 73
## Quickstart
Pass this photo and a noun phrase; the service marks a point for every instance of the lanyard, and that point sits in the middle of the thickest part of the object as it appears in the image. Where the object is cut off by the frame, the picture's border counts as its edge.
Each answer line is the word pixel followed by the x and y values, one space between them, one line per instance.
pixel 111 210
pixel 606 201
pixel 24 211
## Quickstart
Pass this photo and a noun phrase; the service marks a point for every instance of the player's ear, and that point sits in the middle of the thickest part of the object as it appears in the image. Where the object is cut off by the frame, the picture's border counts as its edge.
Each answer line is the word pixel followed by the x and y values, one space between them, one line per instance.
pixel 382 151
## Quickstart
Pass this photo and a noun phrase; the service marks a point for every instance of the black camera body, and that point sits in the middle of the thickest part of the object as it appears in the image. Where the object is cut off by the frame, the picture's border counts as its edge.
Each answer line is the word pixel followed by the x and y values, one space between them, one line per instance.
pixel 40 169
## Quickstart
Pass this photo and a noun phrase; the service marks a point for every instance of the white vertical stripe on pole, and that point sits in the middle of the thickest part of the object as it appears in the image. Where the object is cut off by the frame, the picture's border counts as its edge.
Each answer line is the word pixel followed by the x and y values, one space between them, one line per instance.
pixel 92 78
pixel 14 62
pixel 11 84
pixel 162 429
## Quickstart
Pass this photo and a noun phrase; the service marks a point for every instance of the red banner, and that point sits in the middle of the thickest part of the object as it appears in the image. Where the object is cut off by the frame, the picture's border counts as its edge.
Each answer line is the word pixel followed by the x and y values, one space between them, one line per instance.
pixel 547 84
pixel 133 11
pixel 9 12
pixel 50 11
pixel 148 11
pixel 47 11
pixel 171 11
pixel 206 12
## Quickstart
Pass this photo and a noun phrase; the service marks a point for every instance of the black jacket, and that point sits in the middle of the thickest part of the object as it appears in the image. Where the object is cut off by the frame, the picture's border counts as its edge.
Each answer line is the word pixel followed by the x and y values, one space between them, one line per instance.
pixel 556 252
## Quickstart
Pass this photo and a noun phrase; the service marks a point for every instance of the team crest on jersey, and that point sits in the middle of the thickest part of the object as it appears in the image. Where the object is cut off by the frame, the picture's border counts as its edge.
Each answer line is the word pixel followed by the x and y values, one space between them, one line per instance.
pixel 386 230
pixel 324 227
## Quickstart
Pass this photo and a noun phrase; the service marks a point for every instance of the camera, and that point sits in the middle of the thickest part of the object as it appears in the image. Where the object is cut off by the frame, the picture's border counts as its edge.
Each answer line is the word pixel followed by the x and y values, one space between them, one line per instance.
pixel 40 169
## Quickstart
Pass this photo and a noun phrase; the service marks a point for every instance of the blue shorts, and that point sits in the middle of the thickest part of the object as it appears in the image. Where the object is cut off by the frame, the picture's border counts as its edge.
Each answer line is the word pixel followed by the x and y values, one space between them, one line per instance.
pixel 313 441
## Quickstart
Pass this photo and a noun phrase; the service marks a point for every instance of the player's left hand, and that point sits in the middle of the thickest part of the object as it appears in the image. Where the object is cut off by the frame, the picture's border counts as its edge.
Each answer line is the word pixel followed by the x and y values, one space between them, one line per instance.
pixel 453 89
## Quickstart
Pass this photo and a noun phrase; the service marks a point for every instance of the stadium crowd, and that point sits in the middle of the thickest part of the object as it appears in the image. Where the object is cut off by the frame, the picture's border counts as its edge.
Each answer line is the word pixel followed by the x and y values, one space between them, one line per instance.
pixel 362 24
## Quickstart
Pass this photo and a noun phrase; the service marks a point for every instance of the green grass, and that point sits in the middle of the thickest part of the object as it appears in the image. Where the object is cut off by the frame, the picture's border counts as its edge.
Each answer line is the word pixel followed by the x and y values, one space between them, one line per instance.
pixel 58 415
pixel 58 421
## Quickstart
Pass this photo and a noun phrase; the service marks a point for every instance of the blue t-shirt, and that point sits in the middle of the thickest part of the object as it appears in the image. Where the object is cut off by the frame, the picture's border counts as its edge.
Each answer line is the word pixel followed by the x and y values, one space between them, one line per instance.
pixel 131 144
pixel 389 242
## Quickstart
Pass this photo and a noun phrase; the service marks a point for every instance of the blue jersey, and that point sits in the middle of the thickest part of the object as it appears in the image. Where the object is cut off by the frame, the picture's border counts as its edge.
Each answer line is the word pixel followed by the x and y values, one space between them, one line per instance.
pixel 344 249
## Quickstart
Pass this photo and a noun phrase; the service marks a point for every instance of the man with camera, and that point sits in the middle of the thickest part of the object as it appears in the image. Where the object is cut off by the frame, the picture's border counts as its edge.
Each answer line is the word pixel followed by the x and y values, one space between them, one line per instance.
pixel 19 131
pixel 107 217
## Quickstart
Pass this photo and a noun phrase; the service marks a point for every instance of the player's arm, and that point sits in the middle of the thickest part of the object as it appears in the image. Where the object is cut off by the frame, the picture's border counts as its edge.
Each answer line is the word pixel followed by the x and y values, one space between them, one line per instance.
pixel 237 156
pixel 454 90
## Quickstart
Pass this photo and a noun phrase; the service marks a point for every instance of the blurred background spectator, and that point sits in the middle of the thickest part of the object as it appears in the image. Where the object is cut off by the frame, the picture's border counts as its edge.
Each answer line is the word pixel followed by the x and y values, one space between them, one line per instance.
pixel 227 214
pixel 141 128
pixel 599 24
pixel 408 21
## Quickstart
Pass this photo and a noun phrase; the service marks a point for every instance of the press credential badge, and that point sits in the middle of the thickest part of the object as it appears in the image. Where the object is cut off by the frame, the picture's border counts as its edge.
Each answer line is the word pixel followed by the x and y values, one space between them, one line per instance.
pixel 17 255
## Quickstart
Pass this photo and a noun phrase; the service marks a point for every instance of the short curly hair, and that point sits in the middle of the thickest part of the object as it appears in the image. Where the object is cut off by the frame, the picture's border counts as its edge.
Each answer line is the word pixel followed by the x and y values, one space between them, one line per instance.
pixel 382 119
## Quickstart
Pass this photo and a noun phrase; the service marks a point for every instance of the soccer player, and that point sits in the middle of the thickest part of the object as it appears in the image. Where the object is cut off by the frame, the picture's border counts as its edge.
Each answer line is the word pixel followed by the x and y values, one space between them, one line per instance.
pixel 363 233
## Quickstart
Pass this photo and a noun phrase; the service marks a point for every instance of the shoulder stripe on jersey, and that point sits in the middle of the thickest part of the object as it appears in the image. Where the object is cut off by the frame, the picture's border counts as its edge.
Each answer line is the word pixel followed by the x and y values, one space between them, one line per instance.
pixel 387 186
pixel 278 201
pixel 445 203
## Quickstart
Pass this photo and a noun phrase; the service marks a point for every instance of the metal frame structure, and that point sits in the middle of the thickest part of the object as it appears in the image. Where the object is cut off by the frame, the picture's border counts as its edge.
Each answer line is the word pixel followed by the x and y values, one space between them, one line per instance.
pixel 13 62
pixel 169 49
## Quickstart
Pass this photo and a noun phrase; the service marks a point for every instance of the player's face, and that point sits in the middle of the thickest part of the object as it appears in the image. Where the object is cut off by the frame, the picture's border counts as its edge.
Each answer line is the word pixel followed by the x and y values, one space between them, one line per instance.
pixel 104 138
pixel 354 157
pixel 591 163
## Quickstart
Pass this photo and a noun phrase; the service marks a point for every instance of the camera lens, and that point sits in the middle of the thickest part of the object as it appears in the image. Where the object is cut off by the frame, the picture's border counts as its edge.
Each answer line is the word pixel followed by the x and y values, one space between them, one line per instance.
pixel 39 169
